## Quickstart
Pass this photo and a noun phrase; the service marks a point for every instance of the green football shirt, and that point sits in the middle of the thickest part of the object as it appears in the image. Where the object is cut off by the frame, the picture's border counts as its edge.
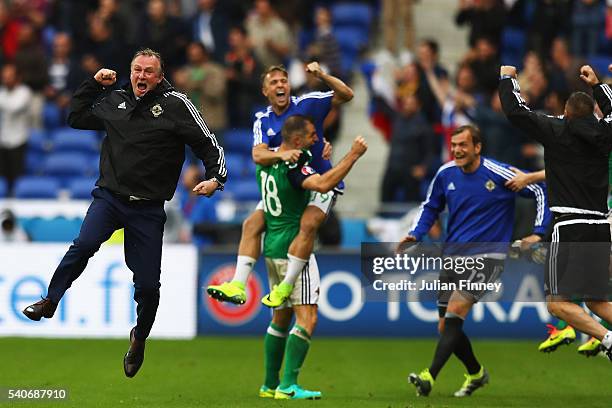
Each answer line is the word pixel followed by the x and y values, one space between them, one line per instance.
pixel 284 202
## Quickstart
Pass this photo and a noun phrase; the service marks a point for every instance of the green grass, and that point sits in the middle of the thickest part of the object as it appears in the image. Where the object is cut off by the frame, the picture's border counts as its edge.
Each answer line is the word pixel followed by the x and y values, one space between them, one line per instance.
pixel 227 372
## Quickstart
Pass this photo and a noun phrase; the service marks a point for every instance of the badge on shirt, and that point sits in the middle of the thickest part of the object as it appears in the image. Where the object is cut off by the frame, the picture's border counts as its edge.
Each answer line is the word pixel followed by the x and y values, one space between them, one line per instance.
pixel 157 110
pixel 490 185
pixel 307 170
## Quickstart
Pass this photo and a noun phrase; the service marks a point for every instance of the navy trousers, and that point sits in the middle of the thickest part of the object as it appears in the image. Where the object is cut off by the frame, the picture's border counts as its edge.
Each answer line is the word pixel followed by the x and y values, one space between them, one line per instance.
pixel 144 228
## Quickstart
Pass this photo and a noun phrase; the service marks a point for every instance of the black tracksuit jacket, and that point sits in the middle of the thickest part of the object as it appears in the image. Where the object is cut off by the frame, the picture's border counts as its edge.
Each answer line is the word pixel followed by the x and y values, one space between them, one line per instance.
pixel 575 151
pixel 144 148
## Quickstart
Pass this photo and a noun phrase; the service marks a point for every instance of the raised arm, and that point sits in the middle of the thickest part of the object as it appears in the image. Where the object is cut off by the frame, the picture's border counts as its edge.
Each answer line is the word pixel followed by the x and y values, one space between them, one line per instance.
pixel 535 125
pixel 330 179
pixel 81 114
pixel 342 92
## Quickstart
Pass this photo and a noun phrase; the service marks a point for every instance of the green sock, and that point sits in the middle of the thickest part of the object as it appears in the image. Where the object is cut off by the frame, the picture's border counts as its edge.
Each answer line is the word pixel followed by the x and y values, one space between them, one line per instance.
pixel 605 324
pixel 274 349
pixel 561 324
pixel 297 347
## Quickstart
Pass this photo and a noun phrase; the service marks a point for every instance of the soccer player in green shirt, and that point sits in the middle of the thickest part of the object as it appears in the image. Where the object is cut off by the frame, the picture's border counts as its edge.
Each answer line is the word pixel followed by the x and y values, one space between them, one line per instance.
pixel 286 190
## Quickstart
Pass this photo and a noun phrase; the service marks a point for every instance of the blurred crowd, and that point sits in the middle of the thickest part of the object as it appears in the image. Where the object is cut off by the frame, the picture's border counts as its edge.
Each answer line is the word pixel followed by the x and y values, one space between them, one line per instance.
pixel 417 104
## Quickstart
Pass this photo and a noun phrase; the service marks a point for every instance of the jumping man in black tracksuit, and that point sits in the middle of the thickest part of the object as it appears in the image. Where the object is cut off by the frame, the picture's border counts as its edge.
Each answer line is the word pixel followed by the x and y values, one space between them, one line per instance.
pixel 147 125
pixel 576 150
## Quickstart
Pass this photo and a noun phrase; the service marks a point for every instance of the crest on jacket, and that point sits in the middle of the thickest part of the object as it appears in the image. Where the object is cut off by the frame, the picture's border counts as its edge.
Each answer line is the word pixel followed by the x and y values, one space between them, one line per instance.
pixel 157 110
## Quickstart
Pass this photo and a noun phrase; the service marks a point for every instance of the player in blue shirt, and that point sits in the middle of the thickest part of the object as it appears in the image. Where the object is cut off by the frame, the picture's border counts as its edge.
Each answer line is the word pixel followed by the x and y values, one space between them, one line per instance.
pixel 480 209
pixel 266 139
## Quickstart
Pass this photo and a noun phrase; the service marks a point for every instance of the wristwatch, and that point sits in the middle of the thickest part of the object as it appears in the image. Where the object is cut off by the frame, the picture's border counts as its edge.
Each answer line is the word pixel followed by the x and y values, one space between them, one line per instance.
pixel 220 184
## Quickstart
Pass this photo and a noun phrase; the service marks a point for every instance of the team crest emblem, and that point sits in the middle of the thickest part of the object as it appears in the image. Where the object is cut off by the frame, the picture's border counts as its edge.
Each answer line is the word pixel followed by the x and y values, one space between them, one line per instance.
pixel 307 170
pixel 490 185
pixel 157 110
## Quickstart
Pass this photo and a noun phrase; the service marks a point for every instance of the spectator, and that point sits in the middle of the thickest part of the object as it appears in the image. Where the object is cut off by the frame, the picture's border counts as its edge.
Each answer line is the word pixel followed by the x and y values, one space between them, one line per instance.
pixel 325 48
pixel 243 72
pixel 204 82
pixel 270 36
pixel 196 212
pixel 484 61
pixel 587 23
pixel 101 43
pixel 62 66
pixel 410 153
pixel 532 64
pixel 165 33
pixel 550 19
pixel 485 18
pixel 31 63
pixel 433 79
pixel 9 30
pixel 398 17
pixel 15 99
pixel 566 68
pixel 210 27
pixel 10 230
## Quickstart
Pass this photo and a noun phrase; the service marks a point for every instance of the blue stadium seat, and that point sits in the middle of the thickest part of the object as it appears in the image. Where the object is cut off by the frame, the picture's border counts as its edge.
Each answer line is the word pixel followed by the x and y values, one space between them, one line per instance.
pixel 58 229
pixel 52 116
pixel 600 64
pixel 513 46
pixel 351 14
pixel 37 187
pixel 71 142
pixel 38 141
pixel 80 188
pixel 351 38
pixel 3 187
pixel 244 190
pixel 235 164
pixel 238 141
pixel 68 165
pixel 34 162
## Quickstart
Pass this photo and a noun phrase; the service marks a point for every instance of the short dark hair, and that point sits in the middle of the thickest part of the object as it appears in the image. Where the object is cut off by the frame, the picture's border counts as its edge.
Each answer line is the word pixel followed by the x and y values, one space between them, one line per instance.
pixel 293 125
pixel 148 52
pixel 474 132
pixel 272 68
pixel 579 105
pixel 432 44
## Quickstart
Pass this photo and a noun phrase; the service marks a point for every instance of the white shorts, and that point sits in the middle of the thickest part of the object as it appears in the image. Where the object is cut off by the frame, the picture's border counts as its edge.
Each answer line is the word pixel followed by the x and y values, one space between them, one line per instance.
pixel 323 202
pixel 307 286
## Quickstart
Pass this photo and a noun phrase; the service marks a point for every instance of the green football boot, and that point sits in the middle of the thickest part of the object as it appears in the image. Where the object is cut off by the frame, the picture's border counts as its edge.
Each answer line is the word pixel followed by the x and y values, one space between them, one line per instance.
pixel 423 382
pixel 296 392
pixel 590 348
pixel 473 382
pixel 266 392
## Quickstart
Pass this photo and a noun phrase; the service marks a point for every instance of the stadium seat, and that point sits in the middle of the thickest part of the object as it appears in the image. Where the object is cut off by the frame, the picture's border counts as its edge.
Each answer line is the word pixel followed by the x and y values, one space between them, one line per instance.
pixel 238 141
pixel 74 140
pixel 600 64
pixel 52 116
pixel 37 187
pixel 513 46
pixel 68 165
pixel 34 162
pixel 3 187
pixel 235 164
pixel 70 142
pixel 38 141
pixel 58 229
pixel 344 14
pixel 244 190
pixel 80 188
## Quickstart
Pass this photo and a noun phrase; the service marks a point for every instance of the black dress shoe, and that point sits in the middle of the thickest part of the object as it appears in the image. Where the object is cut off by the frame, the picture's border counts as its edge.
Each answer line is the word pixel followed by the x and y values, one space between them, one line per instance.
pixel 43 308
pixel 134 357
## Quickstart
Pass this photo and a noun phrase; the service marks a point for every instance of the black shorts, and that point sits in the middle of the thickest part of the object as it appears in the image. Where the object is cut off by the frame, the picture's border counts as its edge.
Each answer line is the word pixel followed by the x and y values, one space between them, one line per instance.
pixel 489 274
pixel 578 258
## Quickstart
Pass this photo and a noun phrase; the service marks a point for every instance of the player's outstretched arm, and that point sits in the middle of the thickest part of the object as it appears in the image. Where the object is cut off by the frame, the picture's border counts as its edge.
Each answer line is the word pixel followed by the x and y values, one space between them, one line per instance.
pixel 342 92
pixel 265 157
pixel 327 181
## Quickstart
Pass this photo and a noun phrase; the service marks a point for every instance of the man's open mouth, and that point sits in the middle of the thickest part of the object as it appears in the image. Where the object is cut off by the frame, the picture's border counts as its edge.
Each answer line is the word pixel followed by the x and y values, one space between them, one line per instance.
pixel 141 86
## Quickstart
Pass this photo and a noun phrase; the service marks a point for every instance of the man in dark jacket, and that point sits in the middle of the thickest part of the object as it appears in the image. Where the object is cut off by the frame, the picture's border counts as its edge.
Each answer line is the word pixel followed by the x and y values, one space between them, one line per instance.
pixel 147 125
pixel 576 150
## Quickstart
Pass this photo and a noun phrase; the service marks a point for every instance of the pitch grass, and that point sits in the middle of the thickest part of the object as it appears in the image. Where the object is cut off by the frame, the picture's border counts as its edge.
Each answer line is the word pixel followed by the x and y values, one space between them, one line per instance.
pixel 227 372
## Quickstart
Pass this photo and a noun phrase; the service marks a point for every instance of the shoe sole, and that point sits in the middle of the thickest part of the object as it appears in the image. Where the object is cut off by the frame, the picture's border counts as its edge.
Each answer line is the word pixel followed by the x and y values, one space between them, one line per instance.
pixel 550 349
pixel 221 297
